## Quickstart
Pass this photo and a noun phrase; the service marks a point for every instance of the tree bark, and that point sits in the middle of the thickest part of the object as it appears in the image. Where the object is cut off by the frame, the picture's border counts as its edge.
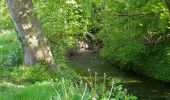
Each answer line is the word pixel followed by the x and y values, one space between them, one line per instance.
pixel 33 41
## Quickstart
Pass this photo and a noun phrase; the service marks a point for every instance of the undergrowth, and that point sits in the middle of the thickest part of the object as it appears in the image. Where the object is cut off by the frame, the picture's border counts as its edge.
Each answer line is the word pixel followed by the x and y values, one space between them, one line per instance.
pixel 18 82
pixel 35 83
pixel 10 50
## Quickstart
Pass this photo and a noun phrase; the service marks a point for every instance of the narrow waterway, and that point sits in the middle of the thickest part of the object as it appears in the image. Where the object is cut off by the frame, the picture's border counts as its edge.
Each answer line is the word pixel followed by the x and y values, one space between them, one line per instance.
pixel 143 87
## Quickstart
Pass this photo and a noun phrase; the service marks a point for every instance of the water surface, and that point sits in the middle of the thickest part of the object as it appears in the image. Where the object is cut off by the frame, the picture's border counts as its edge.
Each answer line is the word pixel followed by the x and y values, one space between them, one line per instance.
pixel 143 87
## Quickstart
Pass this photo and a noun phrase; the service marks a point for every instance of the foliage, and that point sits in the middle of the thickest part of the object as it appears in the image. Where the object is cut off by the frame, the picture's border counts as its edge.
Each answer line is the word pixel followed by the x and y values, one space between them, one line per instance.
pixel 127 32
pixel 63 23
pixel 54 85
pixel 36 82
pixel 4 17
pixel 135 35
pixel 10 50
pixel 132 33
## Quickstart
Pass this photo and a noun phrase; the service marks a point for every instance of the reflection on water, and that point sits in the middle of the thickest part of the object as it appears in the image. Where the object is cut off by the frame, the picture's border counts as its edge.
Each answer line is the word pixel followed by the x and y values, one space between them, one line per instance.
pixel 144 88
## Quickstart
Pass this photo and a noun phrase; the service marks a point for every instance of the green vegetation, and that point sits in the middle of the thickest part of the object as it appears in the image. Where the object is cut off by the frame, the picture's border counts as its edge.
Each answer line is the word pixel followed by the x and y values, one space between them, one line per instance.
pixel 137 37
pixel 36 83
pixel 131 34
pixel 63 28
pixel 10 49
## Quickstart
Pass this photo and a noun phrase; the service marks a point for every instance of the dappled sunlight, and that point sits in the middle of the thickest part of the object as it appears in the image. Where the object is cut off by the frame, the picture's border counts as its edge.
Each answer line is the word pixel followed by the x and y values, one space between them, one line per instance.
pixel 33 41
pixel 132 81
pixel 103 49
pixel 34 45
pixel 71 1
pixel 10 84
pixel 82 46
pixel 26 26
pixel 40 54
pixel 45 83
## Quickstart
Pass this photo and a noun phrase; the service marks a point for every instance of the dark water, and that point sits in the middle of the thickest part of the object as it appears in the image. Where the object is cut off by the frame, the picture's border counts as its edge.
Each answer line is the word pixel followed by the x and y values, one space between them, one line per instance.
pixel 143 87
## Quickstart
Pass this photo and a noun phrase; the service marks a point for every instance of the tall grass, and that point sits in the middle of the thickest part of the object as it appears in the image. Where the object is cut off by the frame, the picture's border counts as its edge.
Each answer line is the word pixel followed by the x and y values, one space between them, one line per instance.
pixel 63 84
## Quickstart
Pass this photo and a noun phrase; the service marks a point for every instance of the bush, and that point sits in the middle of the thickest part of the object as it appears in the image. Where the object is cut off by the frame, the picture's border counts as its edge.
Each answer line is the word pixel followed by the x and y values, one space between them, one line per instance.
pixel 10 50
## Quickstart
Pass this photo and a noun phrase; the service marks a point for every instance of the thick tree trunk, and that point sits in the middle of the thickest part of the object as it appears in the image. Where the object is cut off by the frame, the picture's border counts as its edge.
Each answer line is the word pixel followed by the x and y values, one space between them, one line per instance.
pixel 33 41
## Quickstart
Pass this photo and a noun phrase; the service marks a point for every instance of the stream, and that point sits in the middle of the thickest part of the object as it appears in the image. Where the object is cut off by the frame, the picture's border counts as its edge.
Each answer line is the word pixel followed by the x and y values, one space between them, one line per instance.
pixel 143 87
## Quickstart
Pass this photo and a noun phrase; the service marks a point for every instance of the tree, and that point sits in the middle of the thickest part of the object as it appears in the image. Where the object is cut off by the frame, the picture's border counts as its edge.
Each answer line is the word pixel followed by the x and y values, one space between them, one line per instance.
pixel 29 32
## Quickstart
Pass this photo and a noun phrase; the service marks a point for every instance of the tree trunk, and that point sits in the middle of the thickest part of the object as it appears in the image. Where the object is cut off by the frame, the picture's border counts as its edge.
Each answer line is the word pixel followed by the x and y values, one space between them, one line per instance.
pixel 33 41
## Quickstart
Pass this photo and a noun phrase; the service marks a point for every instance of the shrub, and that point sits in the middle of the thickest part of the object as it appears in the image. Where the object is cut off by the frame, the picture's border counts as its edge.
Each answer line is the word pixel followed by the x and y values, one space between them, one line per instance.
pixel 10 50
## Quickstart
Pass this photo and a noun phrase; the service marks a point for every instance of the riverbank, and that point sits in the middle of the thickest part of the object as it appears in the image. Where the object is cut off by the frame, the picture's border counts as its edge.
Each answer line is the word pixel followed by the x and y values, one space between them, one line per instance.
pixel 143 87
pixel 157 68
pixel 37 83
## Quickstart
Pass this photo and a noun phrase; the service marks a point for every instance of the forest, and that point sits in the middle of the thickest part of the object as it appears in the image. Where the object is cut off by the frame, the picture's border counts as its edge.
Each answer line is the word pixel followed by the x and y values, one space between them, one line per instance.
pixel 84 49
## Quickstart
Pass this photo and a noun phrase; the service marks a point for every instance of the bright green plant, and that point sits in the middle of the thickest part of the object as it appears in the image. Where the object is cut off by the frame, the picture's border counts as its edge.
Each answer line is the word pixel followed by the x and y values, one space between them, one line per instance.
pixel 4 17
pixel 10 50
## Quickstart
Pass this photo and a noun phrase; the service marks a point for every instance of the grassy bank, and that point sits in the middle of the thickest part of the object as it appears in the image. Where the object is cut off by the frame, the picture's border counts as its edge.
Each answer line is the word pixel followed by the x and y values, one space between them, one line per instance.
pixel 35 83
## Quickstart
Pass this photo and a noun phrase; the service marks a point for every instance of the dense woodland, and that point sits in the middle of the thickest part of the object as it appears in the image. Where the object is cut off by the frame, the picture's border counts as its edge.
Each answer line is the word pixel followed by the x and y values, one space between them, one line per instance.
pixel 37 37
